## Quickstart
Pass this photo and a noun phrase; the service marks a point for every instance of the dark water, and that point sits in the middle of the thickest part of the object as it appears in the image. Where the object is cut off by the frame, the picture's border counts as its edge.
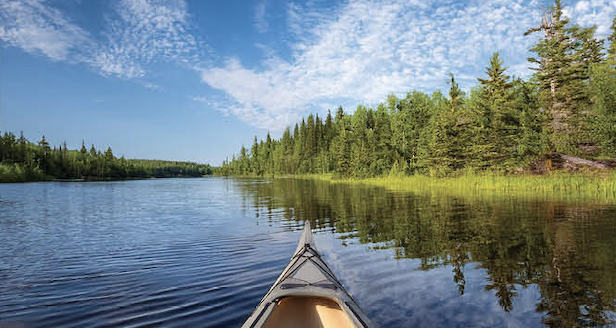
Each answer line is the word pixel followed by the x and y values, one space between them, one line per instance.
pixel 202 252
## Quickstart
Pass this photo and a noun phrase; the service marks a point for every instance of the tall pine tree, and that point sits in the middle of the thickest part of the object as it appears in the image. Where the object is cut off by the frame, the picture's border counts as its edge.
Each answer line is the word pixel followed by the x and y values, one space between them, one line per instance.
pixel 496 123
pixel 563 58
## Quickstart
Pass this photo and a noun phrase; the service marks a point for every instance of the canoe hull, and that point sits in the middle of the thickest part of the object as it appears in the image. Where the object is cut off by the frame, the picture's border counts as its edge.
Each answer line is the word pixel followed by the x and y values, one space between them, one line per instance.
pixel 307 280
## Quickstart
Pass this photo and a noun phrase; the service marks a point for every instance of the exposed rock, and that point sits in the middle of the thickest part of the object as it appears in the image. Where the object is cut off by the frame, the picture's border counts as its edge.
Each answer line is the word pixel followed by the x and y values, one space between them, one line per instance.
pixel 575 162
pixel 559 161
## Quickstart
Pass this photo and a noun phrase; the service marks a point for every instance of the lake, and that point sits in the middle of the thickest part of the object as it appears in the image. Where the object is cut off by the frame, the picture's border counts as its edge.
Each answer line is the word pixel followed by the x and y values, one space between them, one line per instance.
pixel 202 252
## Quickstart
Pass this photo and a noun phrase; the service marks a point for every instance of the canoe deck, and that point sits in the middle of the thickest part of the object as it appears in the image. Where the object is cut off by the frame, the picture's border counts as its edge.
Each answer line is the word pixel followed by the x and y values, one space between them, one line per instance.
pixel 308 312
pixel 307 295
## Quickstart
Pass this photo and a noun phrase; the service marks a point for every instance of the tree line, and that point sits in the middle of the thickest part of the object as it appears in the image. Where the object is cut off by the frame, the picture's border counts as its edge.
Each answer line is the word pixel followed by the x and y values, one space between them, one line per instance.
pixel 503 125
pixel 22 160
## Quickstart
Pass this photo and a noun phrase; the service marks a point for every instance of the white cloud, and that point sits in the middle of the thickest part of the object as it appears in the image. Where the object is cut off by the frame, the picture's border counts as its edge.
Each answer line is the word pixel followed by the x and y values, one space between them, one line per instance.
pixel 365 50
pixel 138 33
pixel 142 32
pixel 356 52
pixel 151 86
pixel 40 29
pixel 593 12
pixel 260 20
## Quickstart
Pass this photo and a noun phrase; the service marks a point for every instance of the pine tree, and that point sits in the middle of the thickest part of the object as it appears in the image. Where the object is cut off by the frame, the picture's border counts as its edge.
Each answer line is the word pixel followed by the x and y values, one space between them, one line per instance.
pixel 243 165
pixel 268 156
pixel 564 56
pixel 318 134
pixel 109 155
pixel 310 142
pixel 603 94
pixel 44 145
pixel 328 130
pixel 44 157
pixel 301 148
pixel 341 148
pixel 456 95
pixel 552 59
pixel 254 157
pixel 532 142
pixel 449 137
pixel 400 128
pixel 496 123
pixel 22 153
pixel 297 149
pixel 263 158
pixel 382 148
pixel 360 157
pixel 611 50
pixel 339 114
pixel 286 145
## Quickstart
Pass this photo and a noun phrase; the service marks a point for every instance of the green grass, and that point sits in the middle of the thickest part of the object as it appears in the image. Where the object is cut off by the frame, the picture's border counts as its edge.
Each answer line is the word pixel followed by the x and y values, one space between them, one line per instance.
pixel 560 185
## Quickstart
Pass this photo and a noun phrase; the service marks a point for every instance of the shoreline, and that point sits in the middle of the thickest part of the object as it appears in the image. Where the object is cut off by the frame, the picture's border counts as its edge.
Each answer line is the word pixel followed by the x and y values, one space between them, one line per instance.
pixel 573 186
pixel 103 180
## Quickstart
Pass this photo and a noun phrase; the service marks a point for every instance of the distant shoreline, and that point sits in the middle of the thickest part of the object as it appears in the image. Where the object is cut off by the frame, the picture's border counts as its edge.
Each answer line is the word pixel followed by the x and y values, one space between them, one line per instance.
pixel 104 179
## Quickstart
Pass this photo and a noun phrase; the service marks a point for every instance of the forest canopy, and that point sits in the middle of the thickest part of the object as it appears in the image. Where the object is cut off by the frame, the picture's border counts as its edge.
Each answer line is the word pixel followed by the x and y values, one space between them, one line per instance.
pixel 502 125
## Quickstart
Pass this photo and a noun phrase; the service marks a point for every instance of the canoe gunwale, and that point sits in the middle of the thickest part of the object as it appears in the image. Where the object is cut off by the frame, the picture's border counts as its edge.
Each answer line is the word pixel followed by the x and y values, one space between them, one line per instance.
pixel 307 275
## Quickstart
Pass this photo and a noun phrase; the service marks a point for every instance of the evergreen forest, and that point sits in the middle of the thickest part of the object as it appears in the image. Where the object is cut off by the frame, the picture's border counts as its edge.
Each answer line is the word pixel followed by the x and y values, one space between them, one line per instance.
pixel 503 125
pixel 22 160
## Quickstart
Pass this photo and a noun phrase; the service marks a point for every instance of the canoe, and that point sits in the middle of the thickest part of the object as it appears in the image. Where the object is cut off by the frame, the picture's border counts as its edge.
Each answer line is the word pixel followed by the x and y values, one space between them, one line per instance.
pixel 307 295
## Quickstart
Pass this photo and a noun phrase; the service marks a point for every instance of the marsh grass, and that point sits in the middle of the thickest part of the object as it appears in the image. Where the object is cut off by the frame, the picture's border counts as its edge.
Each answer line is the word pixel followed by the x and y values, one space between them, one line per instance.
pixel 572 186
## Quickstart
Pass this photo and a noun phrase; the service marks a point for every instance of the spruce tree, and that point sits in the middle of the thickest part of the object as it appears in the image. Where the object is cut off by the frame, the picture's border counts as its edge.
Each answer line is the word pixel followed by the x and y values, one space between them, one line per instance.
pixel 310 140
pixel 44 156
pixel 243 161
pixel 496 123
pixel 533 140
pixel 339 114
pixel 552 57
pixel 563 58
pixel 611 50
pixel 22 153
pixel 401 127
pixel 254 157
pixel 341 149
pixel 328 130
pixel 449 134
pixel 603 93
pixel 456 95
pixel 297 148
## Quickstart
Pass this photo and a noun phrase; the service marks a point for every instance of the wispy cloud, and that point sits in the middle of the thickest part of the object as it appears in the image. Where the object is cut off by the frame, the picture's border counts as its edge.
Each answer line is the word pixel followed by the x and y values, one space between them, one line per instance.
pixel 593 12
pixel 142 32
pixel 39 29
pixel 365 50
pixel 260 20
pixel 345 53
pixel 138 33
pixel 151 86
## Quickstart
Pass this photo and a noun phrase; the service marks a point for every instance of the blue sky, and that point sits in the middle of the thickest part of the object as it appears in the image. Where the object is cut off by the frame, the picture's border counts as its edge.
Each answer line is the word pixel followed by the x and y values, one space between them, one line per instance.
pixel 193 80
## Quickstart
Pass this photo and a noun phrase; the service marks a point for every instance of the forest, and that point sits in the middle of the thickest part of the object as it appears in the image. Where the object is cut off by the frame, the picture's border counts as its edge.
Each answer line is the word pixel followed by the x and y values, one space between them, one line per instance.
pixel 22 160
pixel 503 125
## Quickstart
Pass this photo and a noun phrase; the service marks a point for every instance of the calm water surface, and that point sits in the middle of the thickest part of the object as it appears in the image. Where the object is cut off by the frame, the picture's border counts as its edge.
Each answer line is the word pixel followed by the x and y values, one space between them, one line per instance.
pixel 202 252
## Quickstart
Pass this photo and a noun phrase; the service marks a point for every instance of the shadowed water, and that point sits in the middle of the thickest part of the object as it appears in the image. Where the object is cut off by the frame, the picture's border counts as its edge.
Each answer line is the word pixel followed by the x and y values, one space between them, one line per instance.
pixel 202 252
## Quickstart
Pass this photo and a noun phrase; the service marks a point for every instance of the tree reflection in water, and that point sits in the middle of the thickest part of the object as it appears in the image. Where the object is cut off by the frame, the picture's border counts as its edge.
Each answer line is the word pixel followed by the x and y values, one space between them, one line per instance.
pixel 567 250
